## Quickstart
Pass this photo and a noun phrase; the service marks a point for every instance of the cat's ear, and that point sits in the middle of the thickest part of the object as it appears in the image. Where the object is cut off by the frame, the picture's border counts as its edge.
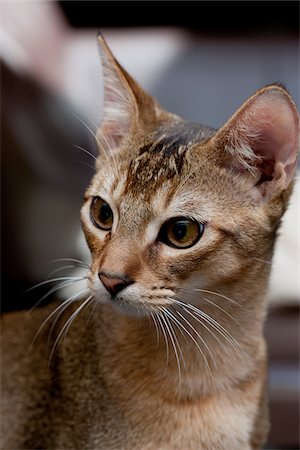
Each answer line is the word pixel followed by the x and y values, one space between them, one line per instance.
pixel 119 105
pixel 262 139
pixel 123 101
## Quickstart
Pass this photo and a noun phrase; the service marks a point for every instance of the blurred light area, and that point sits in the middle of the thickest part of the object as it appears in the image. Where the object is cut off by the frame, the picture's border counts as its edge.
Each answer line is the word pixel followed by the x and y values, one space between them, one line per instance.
pixel 34 38
pixel 203 79
pixel 68 61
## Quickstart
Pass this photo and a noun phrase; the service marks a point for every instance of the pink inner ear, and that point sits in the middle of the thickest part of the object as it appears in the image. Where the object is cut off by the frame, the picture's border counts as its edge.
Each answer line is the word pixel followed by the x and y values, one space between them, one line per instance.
pixel 270 126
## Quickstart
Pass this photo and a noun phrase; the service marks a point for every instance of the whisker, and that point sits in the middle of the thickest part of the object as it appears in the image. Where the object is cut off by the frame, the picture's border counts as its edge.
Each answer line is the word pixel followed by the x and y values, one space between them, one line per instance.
pixel 166 340
pixel 60 269
pixel 110 151
pixel 53 280
pixel 225 332
pixel 223 310
pixel 97 139
pixel 199 336
pixel 152 315
pixel 217 326
pixel 64 305
pixel 87 127
pixel 71 318
pixel 71 299
pixel 52 290
pixel 95 302
pixel 194 340
pixel 83 163
pixel 103 137
pixel 206 291
pixel 85 151
pixel 203 325
pixel 168 328
pixel 185 181
pixel 69 325
pixel 81 263
pixel 178 345
pixel 262 260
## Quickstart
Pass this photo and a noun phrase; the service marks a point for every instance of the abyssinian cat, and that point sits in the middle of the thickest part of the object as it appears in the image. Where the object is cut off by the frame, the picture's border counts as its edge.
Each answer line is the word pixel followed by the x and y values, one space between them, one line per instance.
pixel 181 221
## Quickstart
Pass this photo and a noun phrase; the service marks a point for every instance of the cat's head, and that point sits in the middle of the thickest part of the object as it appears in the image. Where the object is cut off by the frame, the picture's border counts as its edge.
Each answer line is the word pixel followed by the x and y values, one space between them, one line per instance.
pixel 176 206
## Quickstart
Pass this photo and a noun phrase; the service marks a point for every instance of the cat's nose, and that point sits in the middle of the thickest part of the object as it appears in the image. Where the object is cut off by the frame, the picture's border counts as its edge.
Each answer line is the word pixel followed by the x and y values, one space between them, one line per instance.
pixel 114 284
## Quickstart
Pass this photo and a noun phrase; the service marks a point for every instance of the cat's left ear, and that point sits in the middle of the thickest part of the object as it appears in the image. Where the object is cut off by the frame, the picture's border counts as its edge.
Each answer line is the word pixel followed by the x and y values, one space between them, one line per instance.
pixel 122 101
pixel 119 106
pixel 262 139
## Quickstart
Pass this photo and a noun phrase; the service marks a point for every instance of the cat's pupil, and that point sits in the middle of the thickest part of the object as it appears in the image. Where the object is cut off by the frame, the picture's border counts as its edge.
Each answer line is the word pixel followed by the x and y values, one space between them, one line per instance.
pixel 105 213
pixel 179 230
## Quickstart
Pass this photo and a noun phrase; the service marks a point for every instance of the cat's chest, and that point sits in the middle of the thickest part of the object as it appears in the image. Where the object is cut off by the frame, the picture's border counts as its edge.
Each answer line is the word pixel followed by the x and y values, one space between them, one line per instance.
pixel 167 427
pixel 116 398
pixel 107 420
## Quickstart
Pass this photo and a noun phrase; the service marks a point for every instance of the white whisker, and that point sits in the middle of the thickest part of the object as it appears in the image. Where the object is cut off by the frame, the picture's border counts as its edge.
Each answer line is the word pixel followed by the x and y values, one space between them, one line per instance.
pixel 166 340
pixel 223 310
pixel 85 306
pixel 52 291
pixel 178 345
pixel 53 280
pixel 80 263
pixel 164 317
pixel 71 299
pixel 194 340
pixel 71 318
pixel 85 151
pixel 199 336
pixel 217 326
pixel 83 163
pixel 64 305
pixel 107 144
pixel 95 302
pixel 197 318
pixel 60 269
pixel 262 260
pixel 206 291
pixel 110 150
pixel 185 181
pixel 97 139
pixel 152 315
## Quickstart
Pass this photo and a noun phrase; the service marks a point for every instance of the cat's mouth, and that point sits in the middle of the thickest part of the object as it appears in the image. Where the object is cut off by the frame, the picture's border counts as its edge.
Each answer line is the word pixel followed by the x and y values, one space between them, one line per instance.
pixel 128 307
pixel 135 304
pixel 138 307
pixel 133 298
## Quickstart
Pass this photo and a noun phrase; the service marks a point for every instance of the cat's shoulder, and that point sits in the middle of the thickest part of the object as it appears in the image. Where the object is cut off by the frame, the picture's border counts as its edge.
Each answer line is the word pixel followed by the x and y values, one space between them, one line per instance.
pixel 15 324
pixel 22 333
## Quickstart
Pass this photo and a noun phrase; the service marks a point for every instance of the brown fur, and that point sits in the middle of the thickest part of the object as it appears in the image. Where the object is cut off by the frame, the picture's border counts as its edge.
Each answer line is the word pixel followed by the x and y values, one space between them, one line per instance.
pixel 116 383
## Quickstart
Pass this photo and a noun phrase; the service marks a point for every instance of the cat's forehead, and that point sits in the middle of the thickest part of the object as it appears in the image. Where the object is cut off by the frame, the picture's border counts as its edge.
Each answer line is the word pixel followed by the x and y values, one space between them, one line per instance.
pixel 152 171
pixel 162 157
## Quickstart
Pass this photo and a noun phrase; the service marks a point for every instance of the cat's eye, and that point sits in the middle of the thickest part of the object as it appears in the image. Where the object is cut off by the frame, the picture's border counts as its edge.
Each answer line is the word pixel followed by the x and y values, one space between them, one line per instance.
pixel 181 232
pixel 101 214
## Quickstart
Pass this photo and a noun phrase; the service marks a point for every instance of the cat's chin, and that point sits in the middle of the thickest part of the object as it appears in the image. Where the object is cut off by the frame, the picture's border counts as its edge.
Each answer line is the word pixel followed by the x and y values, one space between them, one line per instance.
pixel 125 307
pixel 128 309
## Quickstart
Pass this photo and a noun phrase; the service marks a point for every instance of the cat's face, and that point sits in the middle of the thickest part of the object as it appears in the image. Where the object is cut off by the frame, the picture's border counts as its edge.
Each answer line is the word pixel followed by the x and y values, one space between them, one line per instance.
pixel 168 213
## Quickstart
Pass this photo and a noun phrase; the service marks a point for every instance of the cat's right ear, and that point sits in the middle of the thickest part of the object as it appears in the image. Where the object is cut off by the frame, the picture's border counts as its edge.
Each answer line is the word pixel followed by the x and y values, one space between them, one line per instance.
pixel 120 110
pixel 261 140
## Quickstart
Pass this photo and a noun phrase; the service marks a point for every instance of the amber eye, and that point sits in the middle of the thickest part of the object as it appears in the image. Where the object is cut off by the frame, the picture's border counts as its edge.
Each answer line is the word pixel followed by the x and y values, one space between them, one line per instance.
pixel 181 232
pixel 101 214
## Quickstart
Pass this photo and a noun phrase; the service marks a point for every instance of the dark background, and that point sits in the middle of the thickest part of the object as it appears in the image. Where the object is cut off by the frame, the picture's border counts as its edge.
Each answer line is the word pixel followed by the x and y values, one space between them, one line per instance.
pixel 210 17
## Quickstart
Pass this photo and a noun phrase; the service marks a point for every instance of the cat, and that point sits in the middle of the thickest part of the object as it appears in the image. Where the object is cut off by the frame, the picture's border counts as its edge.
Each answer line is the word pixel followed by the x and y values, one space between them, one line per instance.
pixel 181 221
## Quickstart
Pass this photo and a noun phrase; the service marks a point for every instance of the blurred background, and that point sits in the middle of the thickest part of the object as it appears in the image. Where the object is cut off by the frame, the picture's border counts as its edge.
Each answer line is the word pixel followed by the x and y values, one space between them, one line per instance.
pixel 201 60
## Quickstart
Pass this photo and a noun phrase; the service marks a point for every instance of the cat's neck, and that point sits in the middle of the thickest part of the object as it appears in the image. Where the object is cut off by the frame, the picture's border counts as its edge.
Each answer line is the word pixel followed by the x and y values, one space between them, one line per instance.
pixel 185 360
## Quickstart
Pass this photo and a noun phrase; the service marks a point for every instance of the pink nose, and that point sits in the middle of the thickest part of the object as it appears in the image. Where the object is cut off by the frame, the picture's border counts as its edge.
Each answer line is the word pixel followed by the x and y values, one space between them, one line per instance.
pixel 114 284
